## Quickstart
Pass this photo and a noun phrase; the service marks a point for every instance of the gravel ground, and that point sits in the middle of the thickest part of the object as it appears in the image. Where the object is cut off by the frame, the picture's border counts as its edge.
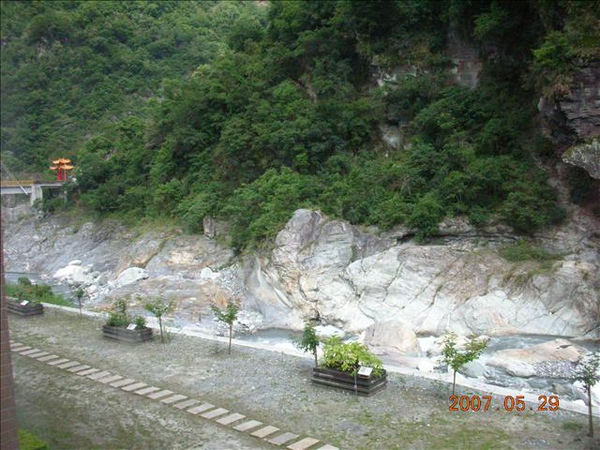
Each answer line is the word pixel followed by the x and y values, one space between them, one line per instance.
pixel 272 387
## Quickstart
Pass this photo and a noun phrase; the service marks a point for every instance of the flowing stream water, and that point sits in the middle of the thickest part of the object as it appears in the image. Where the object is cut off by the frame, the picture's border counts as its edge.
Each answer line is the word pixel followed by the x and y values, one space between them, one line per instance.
pixel 283 340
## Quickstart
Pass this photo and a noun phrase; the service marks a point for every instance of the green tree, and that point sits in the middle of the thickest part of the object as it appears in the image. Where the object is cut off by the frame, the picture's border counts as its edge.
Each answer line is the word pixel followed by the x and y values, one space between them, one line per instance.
pixel 309 342
pixel 227 316
pixel 159 307
pixel 456 358
pixel 426 215
pixel 587 373
pixel 79 293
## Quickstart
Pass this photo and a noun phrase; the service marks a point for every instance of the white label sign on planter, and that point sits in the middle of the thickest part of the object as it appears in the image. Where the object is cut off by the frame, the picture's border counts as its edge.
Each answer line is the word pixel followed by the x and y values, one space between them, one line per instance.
pixel 365 371
pixel 24 302
pixel 131 326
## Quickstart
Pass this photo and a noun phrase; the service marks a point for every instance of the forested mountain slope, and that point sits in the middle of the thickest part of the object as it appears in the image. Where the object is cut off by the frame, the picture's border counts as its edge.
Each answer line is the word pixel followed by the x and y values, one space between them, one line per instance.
pixel 247 111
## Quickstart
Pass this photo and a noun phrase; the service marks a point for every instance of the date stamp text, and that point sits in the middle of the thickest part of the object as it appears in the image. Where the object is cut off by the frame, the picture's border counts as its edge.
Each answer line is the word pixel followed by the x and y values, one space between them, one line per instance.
pixel 509 403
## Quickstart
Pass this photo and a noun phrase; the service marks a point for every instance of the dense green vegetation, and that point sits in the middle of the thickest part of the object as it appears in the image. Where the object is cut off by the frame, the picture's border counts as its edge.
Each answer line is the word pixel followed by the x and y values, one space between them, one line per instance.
pixel 246 111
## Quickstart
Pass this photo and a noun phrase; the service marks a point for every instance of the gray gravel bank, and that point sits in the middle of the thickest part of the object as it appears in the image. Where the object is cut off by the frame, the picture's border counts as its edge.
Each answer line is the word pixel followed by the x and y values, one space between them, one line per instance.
pixel 275 388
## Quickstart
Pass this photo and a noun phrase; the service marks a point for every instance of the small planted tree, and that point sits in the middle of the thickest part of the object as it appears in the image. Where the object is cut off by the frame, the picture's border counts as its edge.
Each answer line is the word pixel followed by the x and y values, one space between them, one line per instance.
pixel 79 295
pixel 309 342
pixel 587 373
pixel 457 358
pixel 227 316
pixel 159 308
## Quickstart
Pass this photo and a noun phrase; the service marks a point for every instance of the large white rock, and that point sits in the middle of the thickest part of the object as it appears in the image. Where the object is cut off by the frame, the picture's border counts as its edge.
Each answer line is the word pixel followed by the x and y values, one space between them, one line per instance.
pixel 556 350
pixel 391 335
pixel 75 274
pixel 130 276
pixel 520 362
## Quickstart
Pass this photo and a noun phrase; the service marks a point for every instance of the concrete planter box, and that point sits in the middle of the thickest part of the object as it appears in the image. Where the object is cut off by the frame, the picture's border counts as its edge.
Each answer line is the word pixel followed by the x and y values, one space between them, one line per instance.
pixel 29 309
pixel 342 380
pixel 125 335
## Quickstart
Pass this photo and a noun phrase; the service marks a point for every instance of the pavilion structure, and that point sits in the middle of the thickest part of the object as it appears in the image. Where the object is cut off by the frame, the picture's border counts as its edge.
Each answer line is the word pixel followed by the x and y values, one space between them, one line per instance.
pixel 61 165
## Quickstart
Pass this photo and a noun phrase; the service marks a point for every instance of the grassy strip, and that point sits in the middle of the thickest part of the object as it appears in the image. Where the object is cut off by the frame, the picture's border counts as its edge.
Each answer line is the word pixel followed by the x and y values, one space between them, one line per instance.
pixel 28 441
pixel 25 290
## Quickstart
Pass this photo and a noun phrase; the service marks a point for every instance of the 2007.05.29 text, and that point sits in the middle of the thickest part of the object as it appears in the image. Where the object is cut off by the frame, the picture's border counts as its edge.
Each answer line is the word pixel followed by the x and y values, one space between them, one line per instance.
pixel 509 404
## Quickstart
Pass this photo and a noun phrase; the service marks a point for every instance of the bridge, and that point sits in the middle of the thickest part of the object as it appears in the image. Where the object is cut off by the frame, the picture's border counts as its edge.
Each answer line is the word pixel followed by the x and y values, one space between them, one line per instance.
pixel 32 188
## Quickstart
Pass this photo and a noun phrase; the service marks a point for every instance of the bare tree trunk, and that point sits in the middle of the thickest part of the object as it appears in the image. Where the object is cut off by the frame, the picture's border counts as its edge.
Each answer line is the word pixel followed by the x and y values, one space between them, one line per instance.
pixel 590 418
pixel 161 330
pixel 316 360
pixel 454 383
pixel 230 333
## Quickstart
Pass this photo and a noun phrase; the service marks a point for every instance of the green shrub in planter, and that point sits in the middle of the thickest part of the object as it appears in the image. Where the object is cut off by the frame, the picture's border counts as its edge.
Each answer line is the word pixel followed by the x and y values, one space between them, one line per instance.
pixel 349 357
pixel 119 317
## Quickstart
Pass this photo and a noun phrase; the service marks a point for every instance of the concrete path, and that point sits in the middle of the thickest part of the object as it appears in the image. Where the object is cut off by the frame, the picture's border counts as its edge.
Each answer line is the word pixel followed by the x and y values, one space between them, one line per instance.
pixel 195 407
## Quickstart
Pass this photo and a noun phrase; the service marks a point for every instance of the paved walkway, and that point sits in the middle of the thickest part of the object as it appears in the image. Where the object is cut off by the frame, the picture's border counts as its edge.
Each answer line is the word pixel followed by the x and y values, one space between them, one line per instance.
pixel 195 407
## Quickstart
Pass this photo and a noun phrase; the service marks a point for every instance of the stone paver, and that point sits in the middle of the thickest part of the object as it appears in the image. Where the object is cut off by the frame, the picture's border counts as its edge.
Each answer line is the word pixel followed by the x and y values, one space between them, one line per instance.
pixel 57 361
pixel 110 379
pixel 199 409
pixel 30 352
pixel 122 383
pixel 186 404
pixel 48 358
pixel 247 425
pixel 66 365
pixel 134 386
pixel 174 399
pixel 303 444
pixel 230 418
pixel 35 354
pixel 85 373
pixel 21 349
pixel 282 438
pixel 79 368
pixel 160 394
pixel 265 431
pixel 16 346
pixel 206 410
pixel 97 376
pixel 215 413
pixel 147 390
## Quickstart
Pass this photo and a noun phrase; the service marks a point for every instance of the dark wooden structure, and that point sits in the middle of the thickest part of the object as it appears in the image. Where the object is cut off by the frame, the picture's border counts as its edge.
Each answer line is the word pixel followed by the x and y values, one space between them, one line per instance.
pixel 20 308
pixel 360 385
pixel 127 335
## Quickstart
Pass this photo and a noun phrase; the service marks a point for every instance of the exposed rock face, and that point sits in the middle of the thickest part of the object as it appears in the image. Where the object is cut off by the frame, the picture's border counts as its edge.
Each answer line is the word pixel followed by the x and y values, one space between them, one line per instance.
pixel 582 106
pixel 573 121
pixel 586 156
pixel 113 262
pixel 329 270
pixel 467 65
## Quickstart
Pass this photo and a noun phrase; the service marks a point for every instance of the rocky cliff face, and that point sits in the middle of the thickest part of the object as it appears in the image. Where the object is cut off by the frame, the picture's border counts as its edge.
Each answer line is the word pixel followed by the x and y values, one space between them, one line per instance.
pixel 573 121
pixel 329 270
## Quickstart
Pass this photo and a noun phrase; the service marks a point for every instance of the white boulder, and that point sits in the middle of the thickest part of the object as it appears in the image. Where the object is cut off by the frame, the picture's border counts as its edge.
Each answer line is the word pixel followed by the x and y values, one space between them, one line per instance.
pixel 75 274
pixel 130 276
pixel 392 335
